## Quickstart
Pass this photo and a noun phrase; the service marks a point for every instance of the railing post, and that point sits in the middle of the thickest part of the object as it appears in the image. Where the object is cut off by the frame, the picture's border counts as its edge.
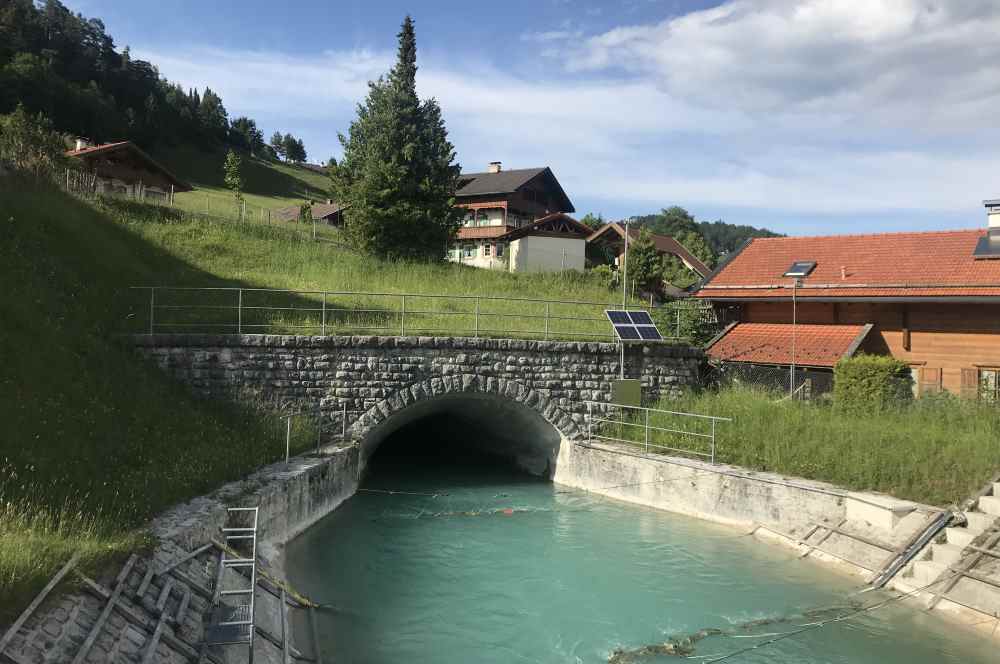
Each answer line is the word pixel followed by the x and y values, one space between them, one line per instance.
pixel 590 423
pixel 239 311
pixel 323 324
pixel 402 316
pixel 343 423
pixel 152 307
pixel 477 317
pixel 713 442
pixel 546 321
pixel 319 426
pixel 288 437
pixel 646 427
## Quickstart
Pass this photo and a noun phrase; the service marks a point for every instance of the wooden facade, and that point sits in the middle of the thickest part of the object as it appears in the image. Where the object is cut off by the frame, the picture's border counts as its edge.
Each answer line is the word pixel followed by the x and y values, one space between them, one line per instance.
pixel 946 344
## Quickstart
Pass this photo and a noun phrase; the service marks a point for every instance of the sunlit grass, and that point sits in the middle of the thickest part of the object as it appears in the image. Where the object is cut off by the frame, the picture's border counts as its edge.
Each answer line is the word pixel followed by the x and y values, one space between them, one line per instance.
pixel 937 450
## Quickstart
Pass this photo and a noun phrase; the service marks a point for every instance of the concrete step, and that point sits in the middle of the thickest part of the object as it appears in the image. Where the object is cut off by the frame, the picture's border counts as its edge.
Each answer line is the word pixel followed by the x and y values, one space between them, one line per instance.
pixel 960 536
pixel 927 571
pixel 946 554
pixel 979 521
pixel 990 505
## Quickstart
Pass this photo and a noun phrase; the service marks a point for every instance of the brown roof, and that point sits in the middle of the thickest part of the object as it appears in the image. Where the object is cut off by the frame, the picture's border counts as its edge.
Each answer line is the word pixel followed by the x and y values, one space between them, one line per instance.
pixel 558 223
pixel 509 181
pixel 938 264
pixel 480 232
pixel 663 243
pixel 129 146
pixel 771 343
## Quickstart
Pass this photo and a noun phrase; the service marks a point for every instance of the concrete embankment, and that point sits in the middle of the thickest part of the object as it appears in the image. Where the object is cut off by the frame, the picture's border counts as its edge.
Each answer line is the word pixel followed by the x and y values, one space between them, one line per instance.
pixel 855 531
pixel 155 608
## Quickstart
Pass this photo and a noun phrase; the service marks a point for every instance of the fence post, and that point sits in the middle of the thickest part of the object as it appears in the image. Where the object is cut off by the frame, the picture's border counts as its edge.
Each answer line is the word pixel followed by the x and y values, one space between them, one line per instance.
pixel 477 316
pixel 343 423
pixel 590 423
pixel 678 311
pixel 152 306
pixel 713 442
pixel 288 437
pixel 646 427
pixel 402 317
pixel 546 321
pixel 319 426
pixel 323 324
pixel 239 311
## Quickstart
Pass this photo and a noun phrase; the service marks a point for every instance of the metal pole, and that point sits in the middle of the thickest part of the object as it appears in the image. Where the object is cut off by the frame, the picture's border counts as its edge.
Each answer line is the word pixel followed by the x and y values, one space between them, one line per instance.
pixel 713 442
pixel 791 375
pixel 343 422
pixel 625 270
pixel 546 320
pixel 239 311
pixel 647 431
pixel 323 324
pixel 402 317
pixel 152 306
pixel 622 368
pixel 477 316
pixel 590 422
pixel 288 437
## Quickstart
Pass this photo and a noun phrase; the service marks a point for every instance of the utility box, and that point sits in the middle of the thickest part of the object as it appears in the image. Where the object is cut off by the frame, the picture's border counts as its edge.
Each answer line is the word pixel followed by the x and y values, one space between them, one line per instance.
pixel 626 392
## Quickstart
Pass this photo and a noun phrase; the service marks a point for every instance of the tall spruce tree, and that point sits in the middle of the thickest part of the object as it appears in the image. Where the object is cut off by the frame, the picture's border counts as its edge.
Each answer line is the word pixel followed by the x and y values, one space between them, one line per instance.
pixel 398 173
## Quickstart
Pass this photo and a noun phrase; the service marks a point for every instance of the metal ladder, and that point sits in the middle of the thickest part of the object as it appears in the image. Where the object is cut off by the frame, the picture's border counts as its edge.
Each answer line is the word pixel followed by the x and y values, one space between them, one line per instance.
pixel 232 621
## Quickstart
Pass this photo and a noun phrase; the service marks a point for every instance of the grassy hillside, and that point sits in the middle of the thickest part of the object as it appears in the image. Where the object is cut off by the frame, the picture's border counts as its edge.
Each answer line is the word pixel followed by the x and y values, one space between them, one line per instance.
pixel 268 185
pixel 92 444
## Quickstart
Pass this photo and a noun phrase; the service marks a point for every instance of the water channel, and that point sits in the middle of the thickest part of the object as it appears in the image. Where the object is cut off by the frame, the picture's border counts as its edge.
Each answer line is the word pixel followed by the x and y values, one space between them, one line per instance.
pixel 479 563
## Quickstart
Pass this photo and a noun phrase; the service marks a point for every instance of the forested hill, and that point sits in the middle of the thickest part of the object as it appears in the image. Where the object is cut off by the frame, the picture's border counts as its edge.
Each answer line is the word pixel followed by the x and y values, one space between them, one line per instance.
pixel 68 67
pixel 725 238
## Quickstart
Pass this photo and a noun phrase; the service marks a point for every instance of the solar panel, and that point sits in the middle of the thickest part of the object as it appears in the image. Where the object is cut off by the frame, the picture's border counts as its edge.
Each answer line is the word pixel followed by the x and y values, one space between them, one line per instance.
pixel 649 332
pixel 640 318
pixel 628 332
pixel 633 325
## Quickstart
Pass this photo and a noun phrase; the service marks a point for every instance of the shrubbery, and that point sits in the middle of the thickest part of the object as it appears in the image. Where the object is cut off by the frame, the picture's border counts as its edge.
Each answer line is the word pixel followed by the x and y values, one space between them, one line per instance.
pixel 871 383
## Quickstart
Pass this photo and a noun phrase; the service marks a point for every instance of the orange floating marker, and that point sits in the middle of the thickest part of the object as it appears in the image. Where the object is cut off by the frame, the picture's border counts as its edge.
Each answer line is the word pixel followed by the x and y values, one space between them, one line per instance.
pixel 508 511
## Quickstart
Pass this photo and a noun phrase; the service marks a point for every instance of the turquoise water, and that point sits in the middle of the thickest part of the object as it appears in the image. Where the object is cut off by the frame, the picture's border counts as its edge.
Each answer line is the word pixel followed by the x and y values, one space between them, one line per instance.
pixel 571 577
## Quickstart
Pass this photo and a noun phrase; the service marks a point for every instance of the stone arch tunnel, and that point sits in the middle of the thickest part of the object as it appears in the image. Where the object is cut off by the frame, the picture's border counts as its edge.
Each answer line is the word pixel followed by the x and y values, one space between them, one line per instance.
pixel 529 395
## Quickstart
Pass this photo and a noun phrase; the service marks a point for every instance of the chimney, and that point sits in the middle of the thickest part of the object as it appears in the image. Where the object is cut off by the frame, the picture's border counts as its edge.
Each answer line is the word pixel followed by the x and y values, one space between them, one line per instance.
pixel 993 216
pixel 82 143
pixel 496 167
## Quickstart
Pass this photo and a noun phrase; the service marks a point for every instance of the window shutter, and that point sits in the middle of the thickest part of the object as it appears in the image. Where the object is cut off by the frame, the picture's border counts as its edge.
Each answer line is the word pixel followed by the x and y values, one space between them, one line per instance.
pixel 970 383
pixel 930 380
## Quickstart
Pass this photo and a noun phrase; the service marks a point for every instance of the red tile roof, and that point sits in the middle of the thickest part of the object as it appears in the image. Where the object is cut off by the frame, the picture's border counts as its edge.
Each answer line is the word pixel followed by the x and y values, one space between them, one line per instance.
pixel 771 343
pixel 886 265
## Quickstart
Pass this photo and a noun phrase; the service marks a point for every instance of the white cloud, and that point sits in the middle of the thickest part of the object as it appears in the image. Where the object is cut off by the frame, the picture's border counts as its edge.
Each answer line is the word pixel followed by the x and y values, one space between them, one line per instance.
pixel 813 107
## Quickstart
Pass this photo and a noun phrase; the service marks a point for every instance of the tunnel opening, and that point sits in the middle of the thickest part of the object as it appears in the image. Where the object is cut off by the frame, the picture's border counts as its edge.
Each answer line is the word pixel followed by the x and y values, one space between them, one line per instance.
pixel 467 433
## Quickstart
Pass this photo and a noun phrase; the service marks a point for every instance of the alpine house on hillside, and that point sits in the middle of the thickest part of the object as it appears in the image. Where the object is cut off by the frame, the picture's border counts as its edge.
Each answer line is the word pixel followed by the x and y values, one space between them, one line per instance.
pixel 930 299
pixel 517 220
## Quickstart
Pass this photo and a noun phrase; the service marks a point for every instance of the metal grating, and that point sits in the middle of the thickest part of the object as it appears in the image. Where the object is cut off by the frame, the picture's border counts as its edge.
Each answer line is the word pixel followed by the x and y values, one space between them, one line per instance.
pixel 633 325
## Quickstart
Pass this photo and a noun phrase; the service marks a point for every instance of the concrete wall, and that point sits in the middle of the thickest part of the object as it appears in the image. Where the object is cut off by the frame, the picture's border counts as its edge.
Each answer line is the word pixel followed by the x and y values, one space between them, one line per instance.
pixel 547 254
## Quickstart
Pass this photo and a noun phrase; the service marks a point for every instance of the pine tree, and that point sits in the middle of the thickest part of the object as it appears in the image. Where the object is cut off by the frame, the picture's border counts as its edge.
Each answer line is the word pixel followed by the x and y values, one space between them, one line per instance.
pixel 398 173
pixel 278 144
pixel 233 175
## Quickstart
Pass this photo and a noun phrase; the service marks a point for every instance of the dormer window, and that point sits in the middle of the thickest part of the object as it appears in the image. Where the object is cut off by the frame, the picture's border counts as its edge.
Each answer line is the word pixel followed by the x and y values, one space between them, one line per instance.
pixel 800 269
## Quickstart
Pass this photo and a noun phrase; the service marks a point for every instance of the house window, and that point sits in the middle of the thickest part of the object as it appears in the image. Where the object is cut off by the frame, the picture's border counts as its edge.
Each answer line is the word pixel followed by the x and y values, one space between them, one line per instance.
pixel 989 385
pixel 499 250
pixel 468 250
pixel 487 250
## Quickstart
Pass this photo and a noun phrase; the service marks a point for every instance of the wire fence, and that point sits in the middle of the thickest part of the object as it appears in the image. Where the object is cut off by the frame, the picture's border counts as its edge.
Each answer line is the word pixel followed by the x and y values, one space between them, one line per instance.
pixel 803 383
pixel 224 310
pixel 654 429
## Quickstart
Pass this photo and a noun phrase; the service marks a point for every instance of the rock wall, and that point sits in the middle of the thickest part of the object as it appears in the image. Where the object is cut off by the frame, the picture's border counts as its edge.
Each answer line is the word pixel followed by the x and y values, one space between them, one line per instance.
pixel 360 373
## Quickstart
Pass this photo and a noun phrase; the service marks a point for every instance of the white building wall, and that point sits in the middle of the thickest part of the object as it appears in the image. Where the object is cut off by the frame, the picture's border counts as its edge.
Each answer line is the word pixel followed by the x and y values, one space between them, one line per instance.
pixel 457 254
pixel 547 254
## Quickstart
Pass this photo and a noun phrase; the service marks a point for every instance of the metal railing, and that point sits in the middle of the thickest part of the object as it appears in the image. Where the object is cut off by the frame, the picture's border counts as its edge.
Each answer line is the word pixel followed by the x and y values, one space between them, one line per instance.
pixel 267 310
pixel 317 414
pixel 634 428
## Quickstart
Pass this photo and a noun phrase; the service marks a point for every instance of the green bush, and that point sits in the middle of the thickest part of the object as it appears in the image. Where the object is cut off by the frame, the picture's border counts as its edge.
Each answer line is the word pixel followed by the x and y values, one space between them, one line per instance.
pixel 871 383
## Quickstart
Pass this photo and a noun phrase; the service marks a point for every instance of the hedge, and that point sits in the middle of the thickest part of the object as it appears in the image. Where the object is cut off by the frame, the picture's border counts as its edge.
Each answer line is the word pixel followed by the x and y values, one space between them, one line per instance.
pixel 871 383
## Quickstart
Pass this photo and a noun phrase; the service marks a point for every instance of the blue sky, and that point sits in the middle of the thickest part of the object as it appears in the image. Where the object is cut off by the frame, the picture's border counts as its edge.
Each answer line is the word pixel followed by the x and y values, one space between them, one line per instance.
pixel 805 116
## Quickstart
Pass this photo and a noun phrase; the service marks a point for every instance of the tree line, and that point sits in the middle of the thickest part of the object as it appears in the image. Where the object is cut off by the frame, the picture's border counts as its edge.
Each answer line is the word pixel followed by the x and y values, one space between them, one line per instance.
pixel 67 67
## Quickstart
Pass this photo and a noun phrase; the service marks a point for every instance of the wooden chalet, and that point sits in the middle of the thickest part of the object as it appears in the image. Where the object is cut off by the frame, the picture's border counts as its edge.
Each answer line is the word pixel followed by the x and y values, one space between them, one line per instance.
pixel 930 299
pixel 125 169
